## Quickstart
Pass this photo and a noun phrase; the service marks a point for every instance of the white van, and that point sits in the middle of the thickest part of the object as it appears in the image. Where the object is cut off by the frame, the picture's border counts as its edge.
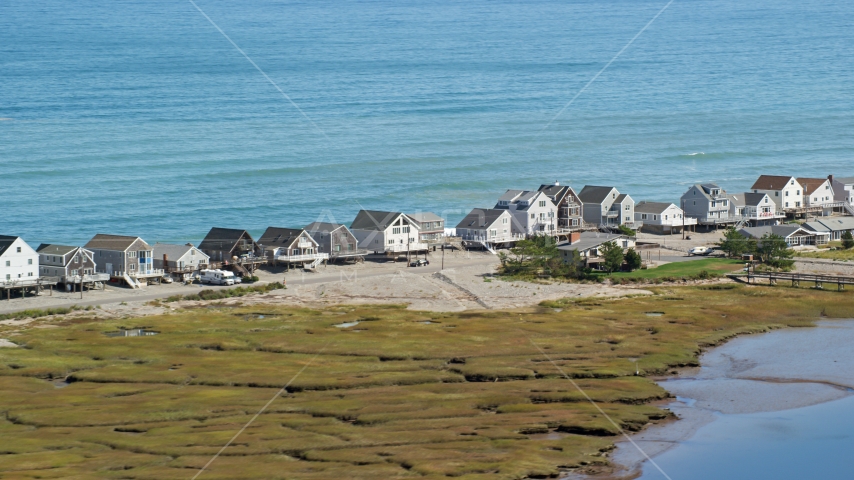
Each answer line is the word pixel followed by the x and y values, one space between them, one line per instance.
pixel 217 277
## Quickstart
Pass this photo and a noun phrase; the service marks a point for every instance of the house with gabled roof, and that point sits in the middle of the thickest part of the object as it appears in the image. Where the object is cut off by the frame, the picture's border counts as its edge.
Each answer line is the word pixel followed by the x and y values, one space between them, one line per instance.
pixel 229 245
pixel 533 211
pixel 291 246
pixel 833 226
pixel 755 209
pixel 785 191
pixel 69 264
pixel 569 214
pixel 662 217
pixel 124 258
pixel 386 232
pixel 818 193
pixel 181 262
pixel 488 227
pixel 606 206
pixel 708 204
pixel 585 246
pixel 19 263
pixel 843 189
pixel 336 240
pixel 795 235
pixel 431 227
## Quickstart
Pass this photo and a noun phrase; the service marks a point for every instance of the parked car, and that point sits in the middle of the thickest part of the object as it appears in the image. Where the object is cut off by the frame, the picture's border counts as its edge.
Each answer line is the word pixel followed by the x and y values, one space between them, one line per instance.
pixel 419 263
pixel 166 279
pixel 701 251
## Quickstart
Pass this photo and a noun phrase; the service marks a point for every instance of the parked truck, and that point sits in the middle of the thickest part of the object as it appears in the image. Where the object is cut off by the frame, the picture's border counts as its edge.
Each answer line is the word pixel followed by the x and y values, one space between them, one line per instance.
pixel 216 277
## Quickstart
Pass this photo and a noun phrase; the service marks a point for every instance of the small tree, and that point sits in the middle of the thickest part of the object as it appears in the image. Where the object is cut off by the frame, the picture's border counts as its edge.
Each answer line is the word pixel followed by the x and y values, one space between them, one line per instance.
pixel 734 244
pixel 627 231
pixel 633 259
pixel 774 251
pixel 613 256
pixel 847 240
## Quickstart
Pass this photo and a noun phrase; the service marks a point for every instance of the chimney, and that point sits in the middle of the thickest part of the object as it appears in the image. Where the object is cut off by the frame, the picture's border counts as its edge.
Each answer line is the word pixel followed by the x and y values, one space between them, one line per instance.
pixel 830 177
pixel 574 237
pixel 165 262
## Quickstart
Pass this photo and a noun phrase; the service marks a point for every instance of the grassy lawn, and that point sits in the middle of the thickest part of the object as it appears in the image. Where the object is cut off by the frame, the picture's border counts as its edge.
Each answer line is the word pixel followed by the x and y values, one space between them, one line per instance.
pixel 827 253
pixel 401 394
pixel 720 266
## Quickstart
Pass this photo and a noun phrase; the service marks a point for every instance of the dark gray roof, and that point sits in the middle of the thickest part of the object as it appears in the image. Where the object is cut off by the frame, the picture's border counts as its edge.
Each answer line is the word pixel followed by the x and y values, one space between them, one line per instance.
pixel 374 220
pixel 594 194
pixel 652 207
pixel 224 239
pixel 754 199
pixel 588 240
pixel 6 242
pixel 621 197
pixel 50 249
pixel 280 237
pixel 816 227
pixel 480 218
pixel 844 180
pixel 556 192
pixel 324 227
pixel 118 243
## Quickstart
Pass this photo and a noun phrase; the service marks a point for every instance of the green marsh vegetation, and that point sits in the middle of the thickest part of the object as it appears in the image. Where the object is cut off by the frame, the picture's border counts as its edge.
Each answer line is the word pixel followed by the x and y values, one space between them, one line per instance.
pixel 400 394
pixel 842 250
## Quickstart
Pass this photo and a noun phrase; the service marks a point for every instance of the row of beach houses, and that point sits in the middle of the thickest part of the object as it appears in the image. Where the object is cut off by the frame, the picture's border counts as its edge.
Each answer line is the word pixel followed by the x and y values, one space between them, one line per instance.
pixel 580 220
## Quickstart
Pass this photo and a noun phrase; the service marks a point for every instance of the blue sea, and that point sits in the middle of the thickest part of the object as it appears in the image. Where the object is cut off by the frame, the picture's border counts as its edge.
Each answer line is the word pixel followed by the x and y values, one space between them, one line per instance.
pixel 141 118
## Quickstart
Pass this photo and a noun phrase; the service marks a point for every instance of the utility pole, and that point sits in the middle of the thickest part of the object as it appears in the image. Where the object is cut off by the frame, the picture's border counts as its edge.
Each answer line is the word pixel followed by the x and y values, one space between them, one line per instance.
pixel 683 219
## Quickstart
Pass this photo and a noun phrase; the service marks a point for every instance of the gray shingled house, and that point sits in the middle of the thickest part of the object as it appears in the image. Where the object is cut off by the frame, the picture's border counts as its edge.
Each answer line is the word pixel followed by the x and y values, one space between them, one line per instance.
pixel 69 264
pixel 291 246
pixel 180 262
pixel 336 240
pixel 125 258
pixel 607 206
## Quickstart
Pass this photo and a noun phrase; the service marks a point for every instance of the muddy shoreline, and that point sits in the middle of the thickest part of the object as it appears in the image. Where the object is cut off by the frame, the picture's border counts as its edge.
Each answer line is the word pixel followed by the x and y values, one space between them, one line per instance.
pixel 775 371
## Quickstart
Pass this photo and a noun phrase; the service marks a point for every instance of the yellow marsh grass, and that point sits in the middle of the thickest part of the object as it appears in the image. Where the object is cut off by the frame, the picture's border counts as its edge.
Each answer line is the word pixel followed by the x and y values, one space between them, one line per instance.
pixel 466 396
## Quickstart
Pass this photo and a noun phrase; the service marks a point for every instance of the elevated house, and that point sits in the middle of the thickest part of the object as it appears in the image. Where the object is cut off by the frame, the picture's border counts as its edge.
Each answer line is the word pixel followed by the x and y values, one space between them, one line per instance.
pixel 292 246
pixel 488 228
pixel 794 235
pixel 233 248
pixel 708 204
pixel 662 217
pixel 587 246
pixel 818 195
pixel 19 263
pixel 786 192
pixel 533 211
pixel 431 227
pixel 606 206
pixel 181 262
pixel 833 226
pixel 69 265
pixel 336 240
pixel 754 209
pixel 843 192
pixel 569 214
pixel 387 232
pixel 124 258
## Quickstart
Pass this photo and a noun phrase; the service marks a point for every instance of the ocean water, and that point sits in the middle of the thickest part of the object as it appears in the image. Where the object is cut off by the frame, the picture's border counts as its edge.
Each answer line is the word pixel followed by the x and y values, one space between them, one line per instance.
pixel 141 118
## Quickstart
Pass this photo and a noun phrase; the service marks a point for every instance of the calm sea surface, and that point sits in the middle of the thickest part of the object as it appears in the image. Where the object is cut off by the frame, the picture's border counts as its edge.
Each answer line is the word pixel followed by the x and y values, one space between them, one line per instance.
pixel 141 118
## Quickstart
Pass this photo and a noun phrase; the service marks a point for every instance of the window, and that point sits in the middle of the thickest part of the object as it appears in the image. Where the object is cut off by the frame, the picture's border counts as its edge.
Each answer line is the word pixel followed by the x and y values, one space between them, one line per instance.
pixel 542 203
pixel 504 221
pixel 655 217
pixel 405 229
pixel 29 261
pixel 132 254
pixel 533 216
pixel 787 194
pixel 628 207
pixel 395 230
pixel 8 263
pixel 726 202
pixel 19 249
pixel 74 273
pixel 390 241
pixel 643 216
pixel 8 276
